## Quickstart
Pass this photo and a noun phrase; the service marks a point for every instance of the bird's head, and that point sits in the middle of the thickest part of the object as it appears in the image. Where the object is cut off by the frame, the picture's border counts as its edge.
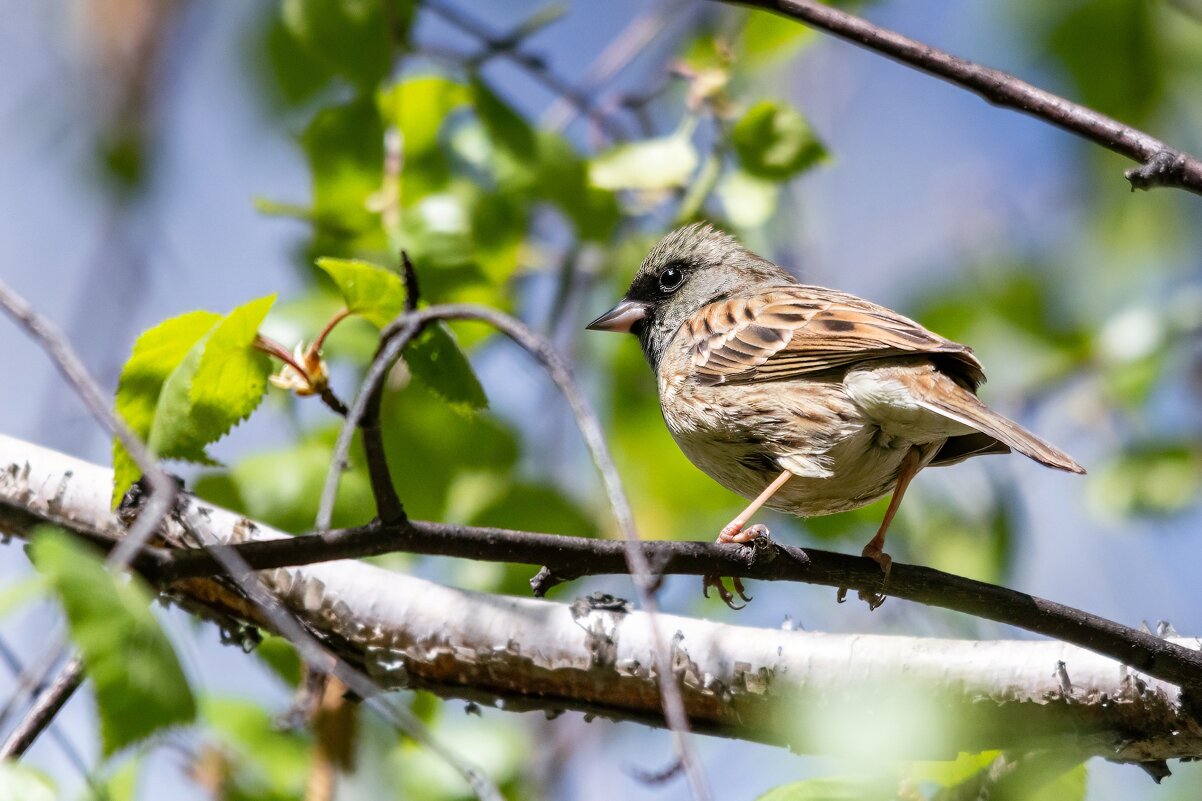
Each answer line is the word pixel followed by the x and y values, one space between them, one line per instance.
pixel 689 268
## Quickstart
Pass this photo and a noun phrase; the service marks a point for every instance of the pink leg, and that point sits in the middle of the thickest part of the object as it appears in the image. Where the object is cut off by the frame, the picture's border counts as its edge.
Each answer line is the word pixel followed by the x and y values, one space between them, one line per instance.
pixel 733 531
pixel 874 550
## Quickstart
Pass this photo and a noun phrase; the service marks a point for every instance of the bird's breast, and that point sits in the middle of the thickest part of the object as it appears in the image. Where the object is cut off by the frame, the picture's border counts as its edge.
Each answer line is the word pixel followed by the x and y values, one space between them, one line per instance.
pixel 744 435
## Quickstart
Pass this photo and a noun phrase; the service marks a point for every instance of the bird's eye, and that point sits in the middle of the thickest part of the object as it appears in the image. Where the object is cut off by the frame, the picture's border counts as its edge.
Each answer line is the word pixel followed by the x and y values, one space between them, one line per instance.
pixel 671 279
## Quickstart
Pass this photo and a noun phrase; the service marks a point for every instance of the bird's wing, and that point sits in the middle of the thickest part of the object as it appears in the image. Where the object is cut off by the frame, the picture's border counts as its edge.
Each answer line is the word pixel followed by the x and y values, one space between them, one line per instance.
pixel 792 331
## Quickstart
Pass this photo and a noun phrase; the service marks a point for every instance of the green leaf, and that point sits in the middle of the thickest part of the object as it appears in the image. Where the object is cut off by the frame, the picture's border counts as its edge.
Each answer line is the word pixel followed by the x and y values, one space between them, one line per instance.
pixel 1068 786
pixel 1134 84
pixel 231 377
pixel 820 790
pixel 425 440
pixel 436 360
pixel 749 201
pixel 266 762
pixel 955 771
pixel 350 37
pixel 138 682
pixel 1153 479
pixel 375 293
pixel 176 431
pixel 156 355
pixel 774 141
pixel 282 487
pixel 188 382
pixel 281 656
pixel 509 131
pixel 535 507
pixel 417 108
pixel 18 593
pixel 768 37
pixel 563 179
pixel 345 149
pixel 217 385
pixel 22 783
pixel 662 163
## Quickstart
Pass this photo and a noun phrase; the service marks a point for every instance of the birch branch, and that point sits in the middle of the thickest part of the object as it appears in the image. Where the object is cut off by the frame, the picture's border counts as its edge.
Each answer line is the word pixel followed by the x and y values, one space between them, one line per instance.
pixel 811 692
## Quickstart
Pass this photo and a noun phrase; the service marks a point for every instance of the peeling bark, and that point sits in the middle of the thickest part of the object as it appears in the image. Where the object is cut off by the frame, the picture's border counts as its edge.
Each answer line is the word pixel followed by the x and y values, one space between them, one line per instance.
pixel 812 692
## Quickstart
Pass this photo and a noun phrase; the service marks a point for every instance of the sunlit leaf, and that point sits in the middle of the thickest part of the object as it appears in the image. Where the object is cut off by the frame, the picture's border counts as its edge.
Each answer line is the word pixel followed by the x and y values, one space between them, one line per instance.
pixel 375 293
pixel 1068 786
pixel 19 782
pixel 345 149
pixel 955 771
pixel 661 163
pixel 774 141
pixel 768 37
pixel 157 354
pixel 231 376
pixel 217 385
pixel 749 202
pixel 1152 478
pixel 419 106
pixel 138 682
pixel 820 790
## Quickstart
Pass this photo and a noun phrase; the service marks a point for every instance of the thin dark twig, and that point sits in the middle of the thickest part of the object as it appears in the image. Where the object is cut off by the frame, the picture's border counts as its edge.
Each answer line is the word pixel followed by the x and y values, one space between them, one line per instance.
pixel 333 402
pixel 567 558
pixel 535 66
pixel 617 56
pixel 394 339
pixel 1162 165
pixel 13 662
pixel 413 289
pixel 44 708
pixel 163 488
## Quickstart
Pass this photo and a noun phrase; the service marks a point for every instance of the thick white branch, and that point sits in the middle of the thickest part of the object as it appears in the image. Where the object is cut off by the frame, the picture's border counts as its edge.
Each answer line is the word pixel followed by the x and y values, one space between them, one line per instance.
pixel 813 692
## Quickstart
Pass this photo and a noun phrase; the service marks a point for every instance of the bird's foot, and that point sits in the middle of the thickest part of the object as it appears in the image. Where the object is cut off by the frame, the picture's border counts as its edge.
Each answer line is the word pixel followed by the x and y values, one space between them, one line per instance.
pixel 873 599
pixel 733 533
pixel 728 597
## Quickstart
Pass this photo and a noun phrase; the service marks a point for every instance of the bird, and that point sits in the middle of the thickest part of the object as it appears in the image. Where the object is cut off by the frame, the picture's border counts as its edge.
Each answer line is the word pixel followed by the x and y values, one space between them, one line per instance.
pixel 804 399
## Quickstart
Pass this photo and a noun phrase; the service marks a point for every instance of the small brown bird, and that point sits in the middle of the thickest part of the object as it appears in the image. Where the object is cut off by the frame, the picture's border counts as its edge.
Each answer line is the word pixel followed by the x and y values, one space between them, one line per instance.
pixel 804 399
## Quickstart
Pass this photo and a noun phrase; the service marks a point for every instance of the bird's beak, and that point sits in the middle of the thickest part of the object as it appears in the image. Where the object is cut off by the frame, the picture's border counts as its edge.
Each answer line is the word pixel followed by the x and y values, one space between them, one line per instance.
pixel 620 318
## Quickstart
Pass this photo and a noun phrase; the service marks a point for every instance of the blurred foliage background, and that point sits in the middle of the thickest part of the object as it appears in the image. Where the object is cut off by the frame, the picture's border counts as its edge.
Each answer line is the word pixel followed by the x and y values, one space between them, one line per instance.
pixel 167 155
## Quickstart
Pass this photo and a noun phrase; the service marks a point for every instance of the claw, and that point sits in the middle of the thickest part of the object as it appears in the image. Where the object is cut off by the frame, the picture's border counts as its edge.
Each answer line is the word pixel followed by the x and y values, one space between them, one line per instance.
pixel 875 599
pixel 734 533
pixel 728 597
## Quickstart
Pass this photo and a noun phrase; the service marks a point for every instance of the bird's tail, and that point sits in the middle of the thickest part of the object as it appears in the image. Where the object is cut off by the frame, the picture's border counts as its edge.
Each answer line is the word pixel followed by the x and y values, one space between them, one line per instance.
pixel 964 407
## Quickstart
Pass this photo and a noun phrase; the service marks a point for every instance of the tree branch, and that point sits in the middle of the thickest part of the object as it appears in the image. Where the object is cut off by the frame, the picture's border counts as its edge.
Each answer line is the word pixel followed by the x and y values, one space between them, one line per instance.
pixel 44 708
pixel 1162 165
pixel 808 691
pixel 565 558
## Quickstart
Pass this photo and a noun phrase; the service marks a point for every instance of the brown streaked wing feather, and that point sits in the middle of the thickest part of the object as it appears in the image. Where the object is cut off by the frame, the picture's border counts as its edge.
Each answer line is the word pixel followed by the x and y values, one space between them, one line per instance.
pixel 791 331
